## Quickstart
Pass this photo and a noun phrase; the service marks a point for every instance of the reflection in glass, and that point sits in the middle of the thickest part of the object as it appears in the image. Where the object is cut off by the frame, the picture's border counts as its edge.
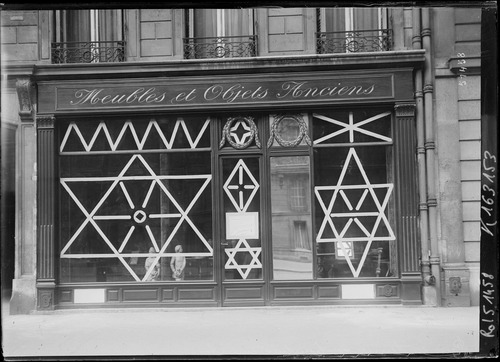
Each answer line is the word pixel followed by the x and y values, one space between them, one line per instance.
pixel 291 215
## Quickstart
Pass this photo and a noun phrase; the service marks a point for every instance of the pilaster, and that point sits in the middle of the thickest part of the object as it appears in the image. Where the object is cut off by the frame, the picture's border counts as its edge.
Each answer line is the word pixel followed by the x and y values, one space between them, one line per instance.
pixel 47 199
pixel 455 279
pixel 23 299
pixel 407 199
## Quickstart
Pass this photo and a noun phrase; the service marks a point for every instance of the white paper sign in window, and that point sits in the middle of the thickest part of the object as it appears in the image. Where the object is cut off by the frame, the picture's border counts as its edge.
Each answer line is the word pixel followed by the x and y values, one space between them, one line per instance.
pixel 242 225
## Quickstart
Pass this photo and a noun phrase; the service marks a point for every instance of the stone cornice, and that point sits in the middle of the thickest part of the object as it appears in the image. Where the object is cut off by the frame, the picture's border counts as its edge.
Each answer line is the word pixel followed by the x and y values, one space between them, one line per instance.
pixel 465 66
pixel 373 60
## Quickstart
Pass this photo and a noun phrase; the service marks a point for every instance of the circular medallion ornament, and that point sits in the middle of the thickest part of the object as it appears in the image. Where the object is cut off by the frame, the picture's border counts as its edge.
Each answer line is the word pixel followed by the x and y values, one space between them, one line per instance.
pixel 387 290
pixel 288 131
pixel 240 132
pixel 220 51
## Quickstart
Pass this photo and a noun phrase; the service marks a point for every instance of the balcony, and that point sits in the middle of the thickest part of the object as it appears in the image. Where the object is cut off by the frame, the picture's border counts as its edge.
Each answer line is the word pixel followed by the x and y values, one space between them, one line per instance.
pixel 217 47
pixel 88 52
pixel 377 40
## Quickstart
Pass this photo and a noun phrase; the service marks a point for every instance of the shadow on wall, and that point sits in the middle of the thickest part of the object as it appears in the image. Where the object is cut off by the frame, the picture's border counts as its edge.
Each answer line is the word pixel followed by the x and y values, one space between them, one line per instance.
pixel 7 241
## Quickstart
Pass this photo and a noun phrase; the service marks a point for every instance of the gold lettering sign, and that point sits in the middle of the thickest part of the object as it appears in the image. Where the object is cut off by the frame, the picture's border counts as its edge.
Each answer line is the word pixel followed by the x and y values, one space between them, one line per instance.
pixel 224 91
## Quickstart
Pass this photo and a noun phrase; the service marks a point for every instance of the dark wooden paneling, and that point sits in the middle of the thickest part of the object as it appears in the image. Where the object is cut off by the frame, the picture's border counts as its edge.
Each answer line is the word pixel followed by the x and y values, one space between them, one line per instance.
pixel 406 186
pixel 46 197
pixel 387 291
pixel 293 292
pixel 196 294
pixel 140 295
pixel 244 293
pixel 167 294
pixel 66 296
pixel 329 292
pixel 113 295
pixel 250 90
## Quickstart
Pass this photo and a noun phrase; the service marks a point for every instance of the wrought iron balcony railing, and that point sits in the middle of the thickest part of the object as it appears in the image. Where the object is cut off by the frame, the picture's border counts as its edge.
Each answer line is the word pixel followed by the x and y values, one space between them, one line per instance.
pixel 88 52
pixel 220 47
pixel 354 41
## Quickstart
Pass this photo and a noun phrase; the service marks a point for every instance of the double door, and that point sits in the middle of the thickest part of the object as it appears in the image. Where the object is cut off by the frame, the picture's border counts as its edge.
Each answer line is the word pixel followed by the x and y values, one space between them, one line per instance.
pixel 265 229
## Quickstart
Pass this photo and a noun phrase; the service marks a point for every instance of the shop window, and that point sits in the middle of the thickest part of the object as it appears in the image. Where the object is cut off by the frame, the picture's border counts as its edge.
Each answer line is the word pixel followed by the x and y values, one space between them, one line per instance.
pixel 88 36
pixel 291 217
pixel 135 194
pixel 350 30
pixel 219 33
pixel 354 212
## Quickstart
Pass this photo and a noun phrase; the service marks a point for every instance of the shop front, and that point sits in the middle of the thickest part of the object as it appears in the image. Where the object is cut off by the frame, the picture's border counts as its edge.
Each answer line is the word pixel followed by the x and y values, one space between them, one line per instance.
pixel 271 188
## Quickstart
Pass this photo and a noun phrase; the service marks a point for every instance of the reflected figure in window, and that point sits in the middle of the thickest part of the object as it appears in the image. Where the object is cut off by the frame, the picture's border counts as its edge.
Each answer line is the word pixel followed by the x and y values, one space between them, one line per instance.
pixel 156 271
pixel 177 264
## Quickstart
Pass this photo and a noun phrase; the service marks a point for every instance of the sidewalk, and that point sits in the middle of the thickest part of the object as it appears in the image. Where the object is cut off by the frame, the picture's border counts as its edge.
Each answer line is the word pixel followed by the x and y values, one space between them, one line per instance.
pixel 272 331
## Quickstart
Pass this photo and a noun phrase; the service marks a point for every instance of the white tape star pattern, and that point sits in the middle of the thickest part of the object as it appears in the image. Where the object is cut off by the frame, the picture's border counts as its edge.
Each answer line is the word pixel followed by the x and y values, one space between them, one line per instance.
pixel 354 215
pixel 152 180
pixel 243 269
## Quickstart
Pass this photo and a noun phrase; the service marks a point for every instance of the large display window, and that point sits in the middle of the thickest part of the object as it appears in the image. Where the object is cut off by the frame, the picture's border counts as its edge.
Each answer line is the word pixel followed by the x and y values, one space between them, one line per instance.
pixel 354 198
pixel 135 199
pixel 229 200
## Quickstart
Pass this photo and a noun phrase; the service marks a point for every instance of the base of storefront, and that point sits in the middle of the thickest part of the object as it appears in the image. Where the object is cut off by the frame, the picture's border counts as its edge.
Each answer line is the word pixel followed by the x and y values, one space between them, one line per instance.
pixel 234 294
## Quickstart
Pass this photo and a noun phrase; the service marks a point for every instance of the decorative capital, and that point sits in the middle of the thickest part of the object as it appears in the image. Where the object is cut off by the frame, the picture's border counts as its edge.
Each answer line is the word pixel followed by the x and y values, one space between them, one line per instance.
pixel 23 88
pixel 45 122
pixel 405 110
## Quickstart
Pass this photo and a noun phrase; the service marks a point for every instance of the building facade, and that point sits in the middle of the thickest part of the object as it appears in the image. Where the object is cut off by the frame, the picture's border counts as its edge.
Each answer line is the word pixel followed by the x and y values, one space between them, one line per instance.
pixel 241 157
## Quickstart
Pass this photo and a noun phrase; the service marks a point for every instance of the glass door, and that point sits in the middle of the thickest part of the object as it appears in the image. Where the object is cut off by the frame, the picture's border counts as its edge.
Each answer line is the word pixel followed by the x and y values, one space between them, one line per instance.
pixel 241 232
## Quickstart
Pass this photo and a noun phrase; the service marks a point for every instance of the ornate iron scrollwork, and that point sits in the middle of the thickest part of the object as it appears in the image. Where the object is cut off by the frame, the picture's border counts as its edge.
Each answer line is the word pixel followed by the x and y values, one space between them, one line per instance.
pixel 375 40
pixel 217 47
pixel 229 134
pixel 275 134
pixel 88 52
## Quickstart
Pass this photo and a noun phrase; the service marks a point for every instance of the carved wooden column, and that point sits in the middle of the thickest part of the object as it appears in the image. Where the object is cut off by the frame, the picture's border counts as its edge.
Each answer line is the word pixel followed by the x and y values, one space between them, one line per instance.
pixel 47 199
pixel 405 141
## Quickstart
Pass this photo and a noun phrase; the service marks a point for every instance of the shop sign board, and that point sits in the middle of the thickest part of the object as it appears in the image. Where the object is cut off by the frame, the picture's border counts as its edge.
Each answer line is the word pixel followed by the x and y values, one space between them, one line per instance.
pixel 224 91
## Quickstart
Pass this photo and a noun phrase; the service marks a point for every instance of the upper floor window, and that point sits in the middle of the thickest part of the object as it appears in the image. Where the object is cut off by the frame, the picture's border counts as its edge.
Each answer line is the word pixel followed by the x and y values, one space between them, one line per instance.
pixel 219 33
pixel 88 36
pixel 350 30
